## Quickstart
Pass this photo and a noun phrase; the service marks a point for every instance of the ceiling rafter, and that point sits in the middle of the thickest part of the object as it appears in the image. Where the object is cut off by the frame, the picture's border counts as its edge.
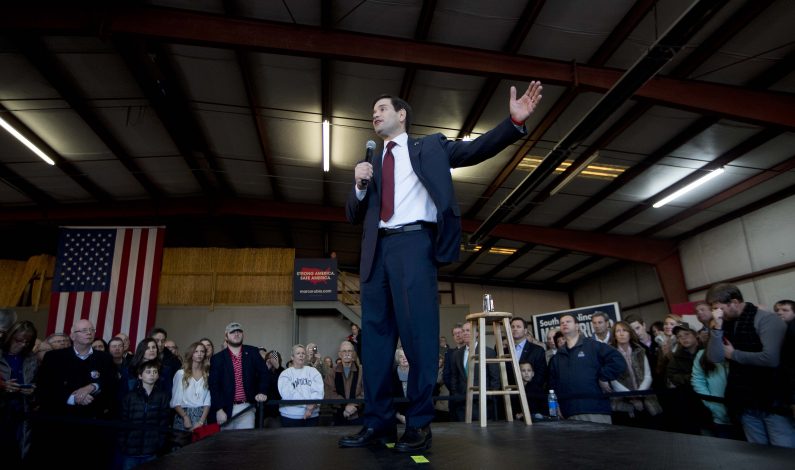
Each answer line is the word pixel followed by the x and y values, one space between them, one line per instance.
pixel 634 248
pixel 756 180
pixel 420 34
pixel 484 248
pixel 252 98
pixel 543 263
pixel 736 22
pixel 747 209
pixel 730 27
pixel 517 37
pixel 48 66
pixel 573 269
pixel 737 151
pixel 521 251
pixel 62 163
pixel 765 79
pixel 166 98
pixel 16 181
pixel 259 124
pixel 190 27
pixel 625 27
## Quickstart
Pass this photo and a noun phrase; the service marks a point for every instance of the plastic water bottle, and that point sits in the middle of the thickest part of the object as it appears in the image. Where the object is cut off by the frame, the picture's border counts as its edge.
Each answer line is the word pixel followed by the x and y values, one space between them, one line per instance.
pixel 553 404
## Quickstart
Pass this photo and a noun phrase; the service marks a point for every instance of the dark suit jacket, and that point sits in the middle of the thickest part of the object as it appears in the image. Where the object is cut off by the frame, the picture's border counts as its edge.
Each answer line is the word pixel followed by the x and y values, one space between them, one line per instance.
pixel 459 378
pixel 222 379
pixel 431 159
pixel 447 372
pixel 62 372
pixel 536 356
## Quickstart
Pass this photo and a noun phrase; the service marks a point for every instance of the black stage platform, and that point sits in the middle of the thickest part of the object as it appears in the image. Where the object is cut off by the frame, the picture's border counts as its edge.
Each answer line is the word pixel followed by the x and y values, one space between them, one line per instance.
pixel 555 445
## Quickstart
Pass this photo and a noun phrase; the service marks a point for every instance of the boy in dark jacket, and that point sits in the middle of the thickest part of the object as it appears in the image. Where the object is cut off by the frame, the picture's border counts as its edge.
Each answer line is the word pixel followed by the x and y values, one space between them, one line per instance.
pixel 146 405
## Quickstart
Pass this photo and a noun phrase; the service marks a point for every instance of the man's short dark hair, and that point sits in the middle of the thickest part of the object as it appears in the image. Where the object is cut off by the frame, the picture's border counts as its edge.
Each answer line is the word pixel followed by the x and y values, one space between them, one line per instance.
pixel 601 314
pixel 524 323
pixel 150 364
pixel 157 330
pixel 116 338
pixel 634 318
pixel 560 317
pixel 791 304
pixel 398 104
pixel 723 293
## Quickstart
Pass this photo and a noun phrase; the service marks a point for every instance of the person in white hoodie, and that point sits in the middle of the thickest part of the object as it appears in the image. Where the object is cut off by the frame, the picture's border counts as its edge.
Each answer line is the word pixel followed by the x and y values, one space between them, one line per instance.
pixel 300 383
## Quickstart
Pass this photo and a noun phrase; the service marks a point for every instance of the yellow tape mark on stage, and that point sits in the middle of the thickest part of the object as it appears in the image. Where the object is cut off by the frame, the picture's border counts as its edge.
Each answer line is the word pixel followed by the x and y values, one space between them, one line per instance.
pixel 420 459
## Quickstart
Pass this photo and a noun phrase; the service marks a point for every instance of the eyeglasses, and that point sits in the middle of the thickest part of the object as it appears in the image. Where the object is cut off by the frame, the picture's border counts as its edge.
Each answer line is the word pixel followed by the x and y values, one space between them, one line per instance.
pixel 86 330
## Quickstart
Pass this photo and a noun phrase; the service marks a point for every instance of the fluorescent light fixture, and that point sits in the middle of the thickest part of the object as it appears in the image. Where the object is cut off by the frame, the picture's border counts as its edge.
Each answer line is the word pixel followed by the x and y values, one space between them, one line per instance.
pixel 495 250
pixel 467 138
pixel 688 188
pixel 26 142
pixel 326 157
pixel 574 173
pixel 599 171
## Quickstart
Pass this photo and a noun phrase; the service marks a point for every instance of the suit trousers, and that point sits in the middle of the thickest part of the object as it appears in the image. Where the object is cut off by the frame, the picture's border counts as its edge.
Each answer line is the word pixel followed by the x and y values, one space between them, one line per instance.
pixel 401 298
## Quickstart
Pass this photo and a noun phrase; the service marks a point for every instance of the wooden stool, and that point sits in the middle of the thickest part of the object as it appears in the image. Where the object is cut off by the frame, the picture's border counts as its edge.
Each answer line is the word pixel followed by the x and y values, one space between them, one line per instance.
pixel 498 320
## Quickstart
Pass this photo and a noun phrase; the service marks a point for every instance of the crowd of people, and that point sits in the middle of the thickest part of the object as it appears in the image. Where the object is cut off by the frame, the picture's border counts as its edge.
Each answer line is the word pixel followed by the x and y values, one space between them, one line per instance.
pixel 733 378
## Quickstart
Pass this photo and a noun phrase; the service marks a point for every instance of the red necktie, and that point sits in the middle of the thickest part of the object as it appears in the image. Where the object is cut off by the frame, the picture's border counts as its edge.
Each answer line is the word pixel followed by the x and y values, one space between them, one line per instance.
pixel 388 184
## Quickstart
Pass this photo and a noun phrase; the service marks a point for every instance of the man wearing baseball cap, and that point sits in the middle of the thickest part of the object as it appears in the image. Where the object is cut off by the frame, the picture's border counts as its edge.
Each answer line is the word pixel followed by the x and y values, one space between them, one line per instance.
pixel 238 378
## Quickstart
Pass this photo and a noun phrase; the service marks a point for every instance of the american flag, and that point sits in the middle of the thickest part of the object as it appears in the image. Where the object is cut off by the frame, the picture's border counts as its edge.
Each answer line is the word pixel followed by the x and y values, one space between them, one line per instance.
pixel 109 276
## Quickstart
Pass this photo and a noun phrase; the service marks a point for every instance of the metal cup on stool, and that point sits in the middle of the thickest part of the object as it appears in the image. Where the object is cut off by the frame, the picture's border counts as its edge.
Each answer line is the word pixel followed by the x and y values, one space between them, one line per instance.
pixel 488 303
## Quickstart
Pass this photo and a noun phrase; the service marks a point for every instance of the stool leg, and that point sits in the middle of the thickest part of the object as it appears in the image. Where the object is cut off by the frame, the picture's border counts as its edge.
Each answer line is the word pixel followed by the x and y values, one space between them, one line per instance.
pixel 470 376
pixel 503 371
pixel 518 375
pixel 483 386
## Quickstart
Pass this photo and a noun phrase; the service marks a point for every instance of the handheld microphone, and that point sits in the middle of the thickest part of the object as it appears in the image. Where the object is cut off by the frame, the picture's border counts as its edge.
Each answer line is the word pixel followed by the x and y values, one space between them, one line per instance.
pixel 368 157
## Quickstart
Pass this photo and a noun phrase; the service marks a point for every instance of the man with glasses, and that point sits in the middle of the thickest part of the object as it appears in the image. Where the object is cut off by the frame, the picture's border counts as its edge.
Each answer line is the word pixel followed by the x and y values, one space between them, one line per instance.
pixel 78 383
pixel 238 378
pixel 344 382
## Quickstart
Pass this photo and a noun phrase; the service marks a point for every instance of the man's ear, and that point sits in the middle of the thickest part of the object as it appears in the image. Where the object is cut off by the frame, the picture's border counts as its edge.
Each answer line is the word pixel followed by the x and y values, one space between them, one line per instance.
pixel 402 115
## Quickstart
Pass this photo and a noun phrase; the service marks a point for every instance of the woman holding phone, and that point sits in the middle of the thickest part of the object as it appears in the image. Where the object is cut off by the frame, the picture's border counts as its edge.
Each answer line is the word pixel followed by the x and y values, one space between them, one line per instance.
pixel 18 366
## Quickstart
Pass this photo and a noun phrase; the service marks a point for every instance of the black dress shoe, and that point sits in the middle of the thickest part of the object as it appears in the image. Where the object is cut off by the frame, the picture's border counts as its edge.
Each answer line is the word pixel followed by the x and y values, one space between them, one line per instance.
pixel 414 440
pixel 367 436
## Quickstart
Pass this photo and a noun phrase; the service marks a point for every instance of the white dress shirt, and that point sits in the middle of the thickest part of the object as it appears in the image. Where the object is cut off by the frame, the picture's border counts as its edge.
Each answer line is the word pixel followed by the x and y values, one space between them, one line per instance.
pixel 412 201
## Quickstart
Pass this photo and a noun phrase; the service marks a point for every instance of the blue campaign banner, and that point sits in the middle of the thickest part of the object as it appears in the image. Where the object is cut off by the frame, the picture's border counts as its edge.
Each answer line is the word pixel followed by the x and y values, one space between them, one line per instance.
pixel 544 322
pixel 315 279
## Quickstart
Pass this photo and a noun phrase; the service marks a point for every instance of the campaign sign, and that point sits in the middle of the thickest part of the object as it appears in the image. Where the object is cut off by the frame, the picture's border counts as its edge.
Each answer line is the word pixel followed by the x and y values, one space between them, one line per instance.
pixel 315 279
pixel 544 322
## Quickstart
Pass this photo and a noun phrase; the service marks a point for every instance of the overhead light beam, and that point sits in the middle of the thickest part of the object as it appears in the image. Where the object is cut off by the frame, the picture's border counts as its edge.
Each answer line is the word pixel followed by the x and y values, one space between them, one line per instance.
pixel 326 146
pixel 25 141
pixel 688 188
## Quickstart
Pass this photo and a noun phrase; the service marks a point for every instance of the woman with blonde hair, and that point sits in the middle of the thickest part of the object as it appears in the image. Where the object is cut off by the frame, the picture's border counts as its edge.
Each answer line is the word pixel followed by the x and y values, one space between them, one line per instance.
pixel 637 376
pixel 190 395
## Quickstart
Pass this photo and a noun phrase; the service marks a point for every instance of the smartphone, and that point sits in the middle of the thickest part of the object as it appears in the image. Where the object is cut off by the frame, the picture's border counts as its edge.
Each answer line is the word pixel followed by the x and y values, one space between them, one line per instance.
pixel 25 385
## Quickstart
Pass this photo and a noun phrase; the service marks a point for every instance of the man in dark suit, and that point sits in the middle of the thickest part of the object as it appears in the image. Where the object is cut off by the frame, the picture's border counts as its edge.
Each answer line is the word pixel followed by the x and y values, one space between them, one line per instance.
pixel 77 383
pixel 447 373
pixel 528 352
pixel 238 377
pixel 412 225
pixel 459 375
